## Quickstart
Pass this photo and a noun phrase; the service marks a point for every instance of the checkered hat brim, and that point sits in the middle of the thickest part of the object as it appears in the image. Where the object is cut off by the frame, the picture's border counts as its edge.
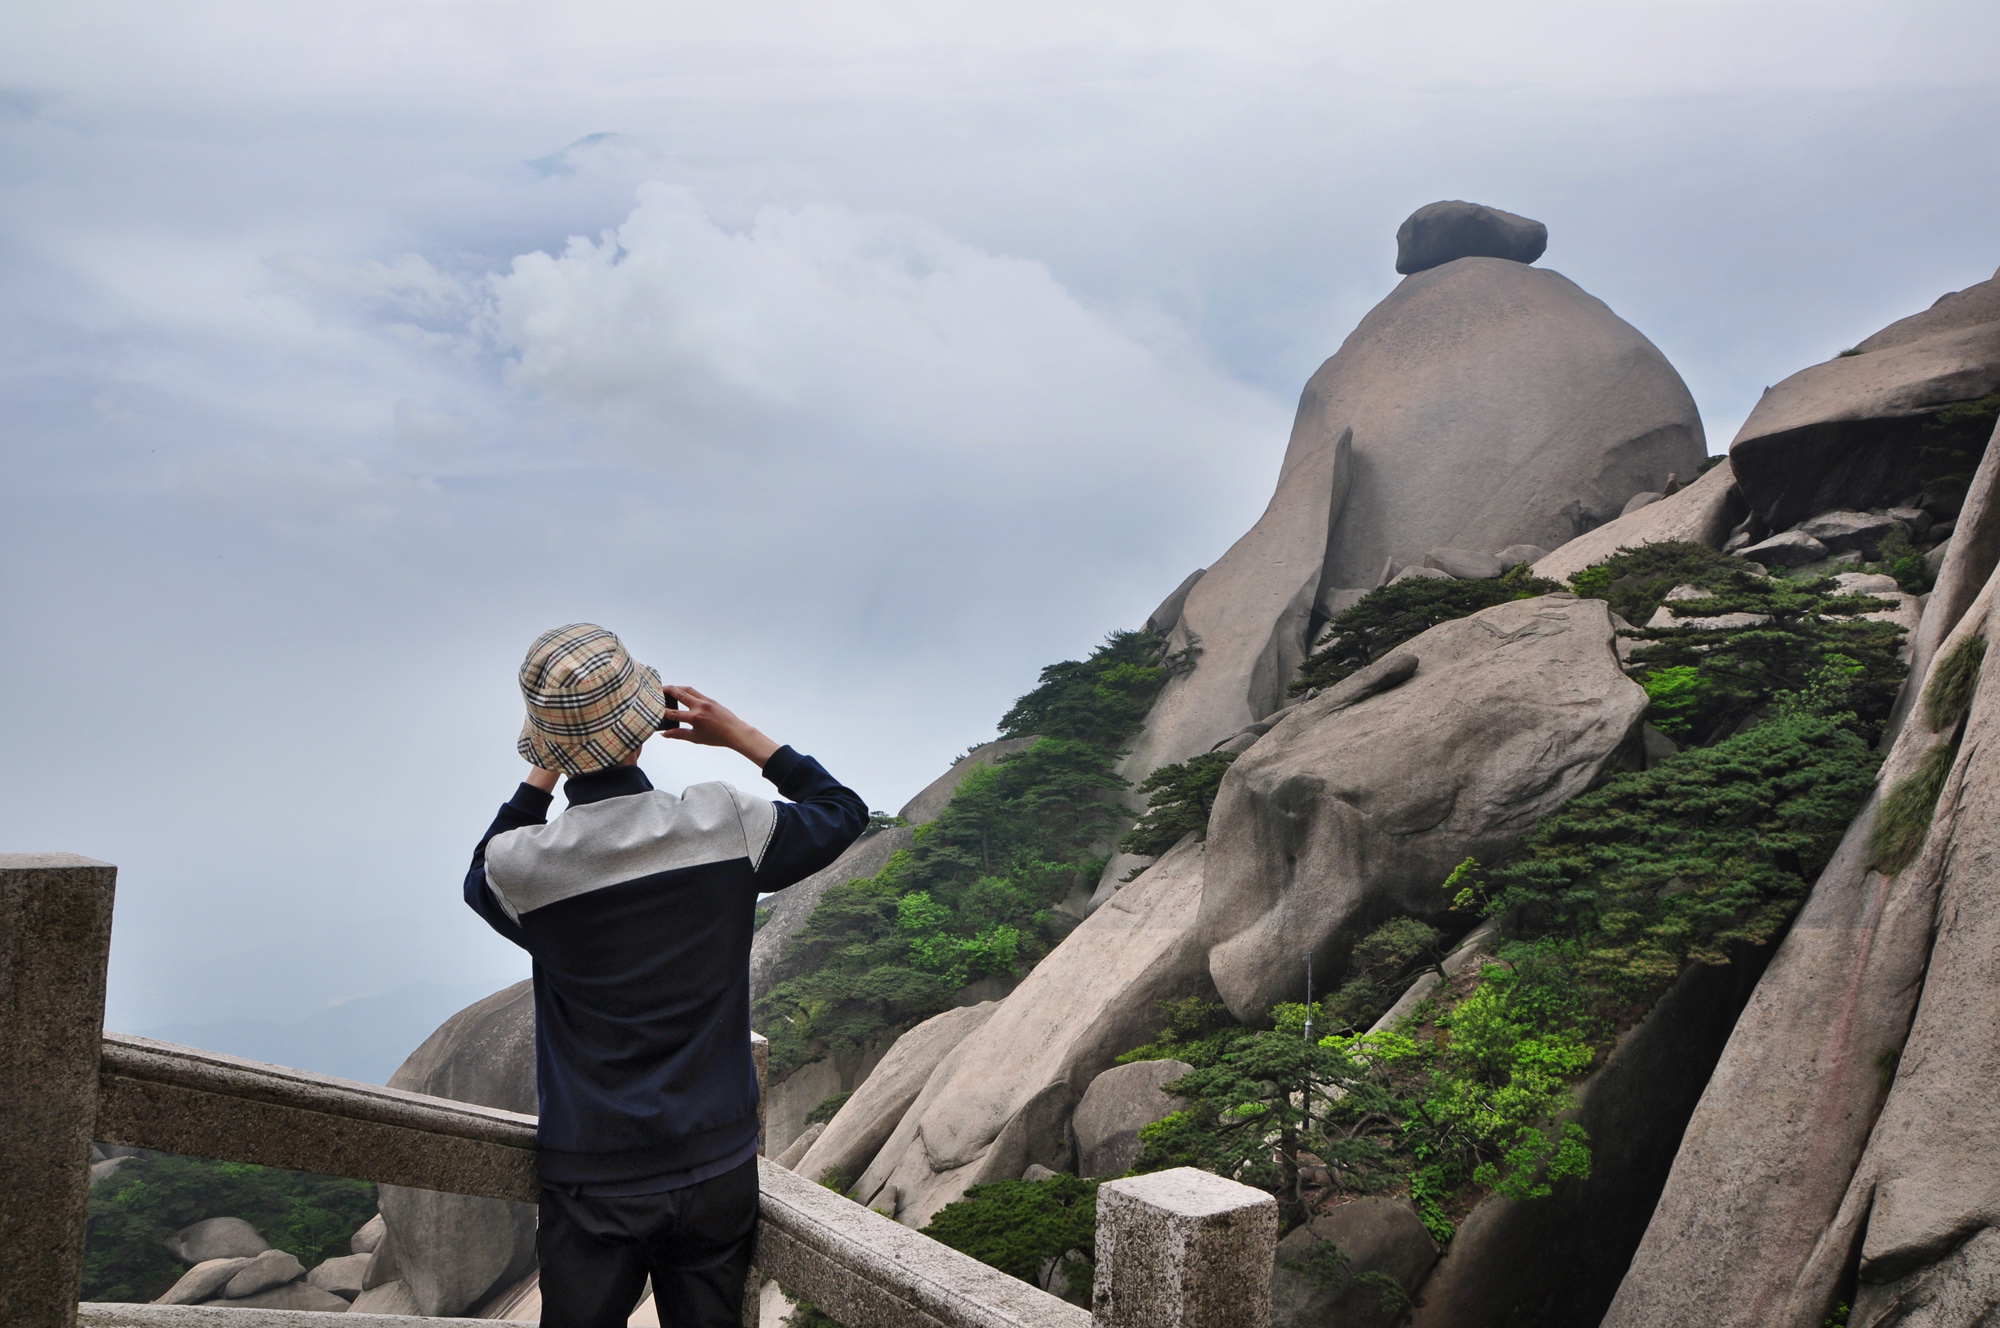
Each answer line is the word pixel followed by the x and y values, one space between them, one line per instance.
pixel 589 705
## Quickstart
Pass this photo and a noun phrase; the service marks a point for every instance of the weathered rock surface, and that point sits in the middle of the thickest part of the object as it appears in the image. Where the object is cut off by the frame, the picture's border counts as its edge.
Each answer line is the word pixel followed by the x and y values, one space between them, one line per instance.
pixel 1556 1262
pixel 1516 554
pixel 794 1151
pixel 1002 1098
pixel 453 1250
pixel 1378 1236
pixel 1792 548
pixel 1832 436
pixel 368 1236
pixel 1760 1214
pixel 1117 1105
pixel 1443 232
pixel 1639 500
pixel 1961 1290
pixel 217 1238
pixel 866 1120
pixel 389 1298
pixel 1465 564
pixel 342 1276
pixel 204 1281
pixel 290 1296
pixel 1483 404
pixel 1702 513
pixel 269 1269
pixel 1348 812
pixel 1859 531
pixel 788 1102
pixel 1162 619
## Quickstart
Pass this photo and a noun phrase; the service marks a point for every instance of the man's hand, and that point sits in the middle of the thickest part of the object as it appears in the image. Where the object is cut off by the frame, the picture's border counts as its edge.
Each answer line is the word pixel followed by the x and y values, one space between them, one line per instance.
pixel 713 724
pixel 545 780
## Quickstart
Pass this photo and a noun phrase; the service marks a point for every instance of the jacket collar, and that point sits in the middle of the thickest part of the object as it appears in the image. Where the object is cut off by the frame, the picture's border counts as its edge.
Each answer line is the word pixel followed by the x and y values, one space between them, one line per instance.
pixel 616 781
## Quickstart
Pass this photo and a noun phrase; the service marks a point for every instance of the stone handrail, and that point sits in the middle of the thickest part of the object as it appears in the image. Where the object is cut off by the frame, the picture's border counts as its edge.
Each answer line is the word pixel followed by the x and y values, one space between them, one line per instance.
pixel 1180 1249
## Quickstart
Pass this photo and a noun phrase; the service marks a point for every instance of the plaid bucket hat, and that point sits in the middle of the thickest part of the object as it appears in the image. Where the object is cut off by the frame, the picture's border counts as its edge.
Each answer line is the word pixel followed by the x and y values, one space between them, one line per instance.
pixel 589 704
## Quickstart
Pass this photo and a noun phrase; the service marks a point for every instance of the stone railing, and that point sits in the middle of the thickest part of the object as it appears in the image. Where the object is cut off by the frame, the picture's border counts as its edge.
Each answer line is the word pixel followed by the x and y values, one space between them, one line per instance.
pixel 1178 1249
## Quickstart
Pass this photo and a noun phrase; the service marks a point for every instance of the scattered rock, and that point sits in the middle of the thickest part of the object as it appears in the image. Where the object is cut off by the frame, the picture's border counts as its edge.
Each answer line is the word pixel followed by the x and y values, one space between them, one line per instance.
pixel 1915 519
pixel 1639 500
pixel 1844 434
pixel 1465 564
pixel 1347 813
pixel 453 1250
pixel 1002 1098
pixel 789 1159
pixel 291 1296
pixel 1382 1236
pixel 216 1238
pixel 389 1298
pixel 1793 548
pixel 1118 1104
pixel 343 1276
pixel 269 1269
pixel 1440 233
pixel 1036 1171
pixel 1842 531
pixel 866 1120
pixel 202 1282
pixel 1702 513
pixel 1516 554
pixel 1409 573
pixel 369 1236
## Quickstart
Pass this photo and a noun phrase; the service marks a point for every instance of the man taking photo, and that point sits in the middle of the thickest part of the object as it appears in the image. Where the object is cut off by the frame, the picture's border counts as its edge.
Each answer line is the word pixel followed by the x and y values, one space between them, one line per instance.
pixel 637 907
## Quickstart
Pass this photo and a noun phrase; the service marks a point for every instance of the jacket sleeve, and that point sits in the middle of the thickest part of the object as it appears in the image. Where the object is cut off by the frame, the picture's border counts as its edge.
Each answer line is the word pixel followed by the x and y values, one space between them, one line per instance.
pixel 528 806
pixel 823 817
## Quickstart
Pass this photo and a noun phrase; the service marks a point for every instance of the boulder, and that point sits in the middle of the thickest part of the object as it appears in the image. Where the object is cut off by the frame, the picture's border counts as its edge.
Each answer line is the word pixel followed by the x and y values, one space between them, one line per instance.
pixel 1352 810
pixel 866 1120
pixel 1702 513
pixel 1002 1098
pixel 1842 531
pixel 1793 548
pixel 1162 619
pixel 1516 554
pixel 389 1298
pixel 1432 573
pixel 369 1236
pixel 453 1250
pixel 202 1282
pixel 1844 434
pixel 1764 1206
pixel 216 1238
pixel 789 1159
pixel 1639 500
pixel 1465 564
pixel 1915 519
pixel 105 1169
pixel 1482 404
pixel 790 907
pixel 292 1296
pixel 1443 232
pixel 1375 1235
pixel 269 1269
pixel 1664 616
pixel 1117 1105
pixel 343 1276
pixel 1963 1288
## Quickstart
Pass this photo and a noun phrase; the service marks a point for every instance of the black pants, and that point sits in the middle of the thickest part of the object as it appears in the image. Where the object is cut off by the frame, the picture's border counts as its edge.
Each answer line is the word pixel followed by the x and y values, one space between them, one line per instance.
pixel 695 1242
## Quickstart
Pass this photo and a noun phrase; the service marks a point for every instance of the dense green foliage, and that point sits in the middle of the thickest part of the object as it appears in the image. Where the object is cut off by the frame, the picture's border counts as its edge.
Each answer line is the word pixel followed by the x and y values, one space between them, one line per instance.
pixel 1180 797
pixel 1032 1229
pixel 828 1108
pixel 1387 616
pixel 974 897
pixel 152 1196
pixel 1952 441
pixel 1635 581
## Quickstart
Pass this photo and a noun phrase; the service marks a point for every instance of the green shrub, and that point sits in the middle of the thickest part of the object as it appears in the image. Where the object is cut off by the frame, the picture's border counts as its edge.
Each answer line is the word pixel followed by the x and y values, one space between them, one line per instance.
pixel 974 896
pixel 1030 1229
pixel 152 1196
pixel 828 1109
pixel 1634 582
pixel 1181 798
pixel 1948 694
pixel 1901 559
pixel 1904 817
pixel 1388 616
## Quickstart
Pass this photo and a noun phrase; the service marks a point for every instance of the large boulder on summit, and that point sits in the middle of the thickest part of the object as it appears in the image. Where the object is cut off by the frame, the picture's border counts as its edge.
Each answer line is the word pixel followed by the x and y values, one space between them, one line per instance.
pixel 1352 810
pixel 1482 404
pixel 1440 233
pixel 1002 1098
pixel 866 1120
pixel 1846 433
pixel 1702 513
pixel 454 1250
pixel 790 907
pixel 216 1238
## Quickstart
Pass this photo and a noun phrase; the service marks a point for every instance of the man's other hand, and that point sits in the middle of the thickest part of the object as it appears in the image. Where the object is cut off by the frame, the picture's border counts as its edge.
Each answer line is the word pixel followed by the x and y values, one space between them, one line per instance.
pixel 545 780
pixel 713 724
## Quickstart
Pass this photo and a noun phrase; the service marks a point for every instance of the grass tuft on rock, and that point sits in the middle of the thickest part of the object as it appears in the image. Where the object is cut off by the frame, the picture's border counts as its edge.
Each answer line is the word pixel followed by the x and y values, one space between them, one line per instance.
pixel 1904 817
pixel 1948 694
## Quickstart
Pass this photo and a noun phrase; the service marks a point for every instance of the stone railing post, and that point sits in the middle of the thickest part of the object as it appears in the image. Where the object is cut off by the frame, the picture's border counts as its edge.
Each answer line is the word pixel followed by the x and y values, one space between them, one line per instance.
pixel 55 945
pixel 1184 1249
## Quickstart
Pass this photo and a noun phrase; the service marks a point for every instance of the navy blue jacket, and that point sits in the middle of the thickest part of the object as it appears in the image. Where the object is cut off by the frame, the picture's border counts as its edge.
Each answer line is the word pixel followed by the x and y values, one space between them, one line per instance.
pixel 638 908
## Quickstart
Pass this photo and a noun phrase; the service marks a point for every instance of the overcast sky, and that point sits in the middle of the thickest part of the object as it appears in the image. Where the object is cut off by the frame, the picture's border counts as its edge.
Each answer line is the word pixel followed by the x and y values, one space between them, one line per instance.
pixel 852 362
